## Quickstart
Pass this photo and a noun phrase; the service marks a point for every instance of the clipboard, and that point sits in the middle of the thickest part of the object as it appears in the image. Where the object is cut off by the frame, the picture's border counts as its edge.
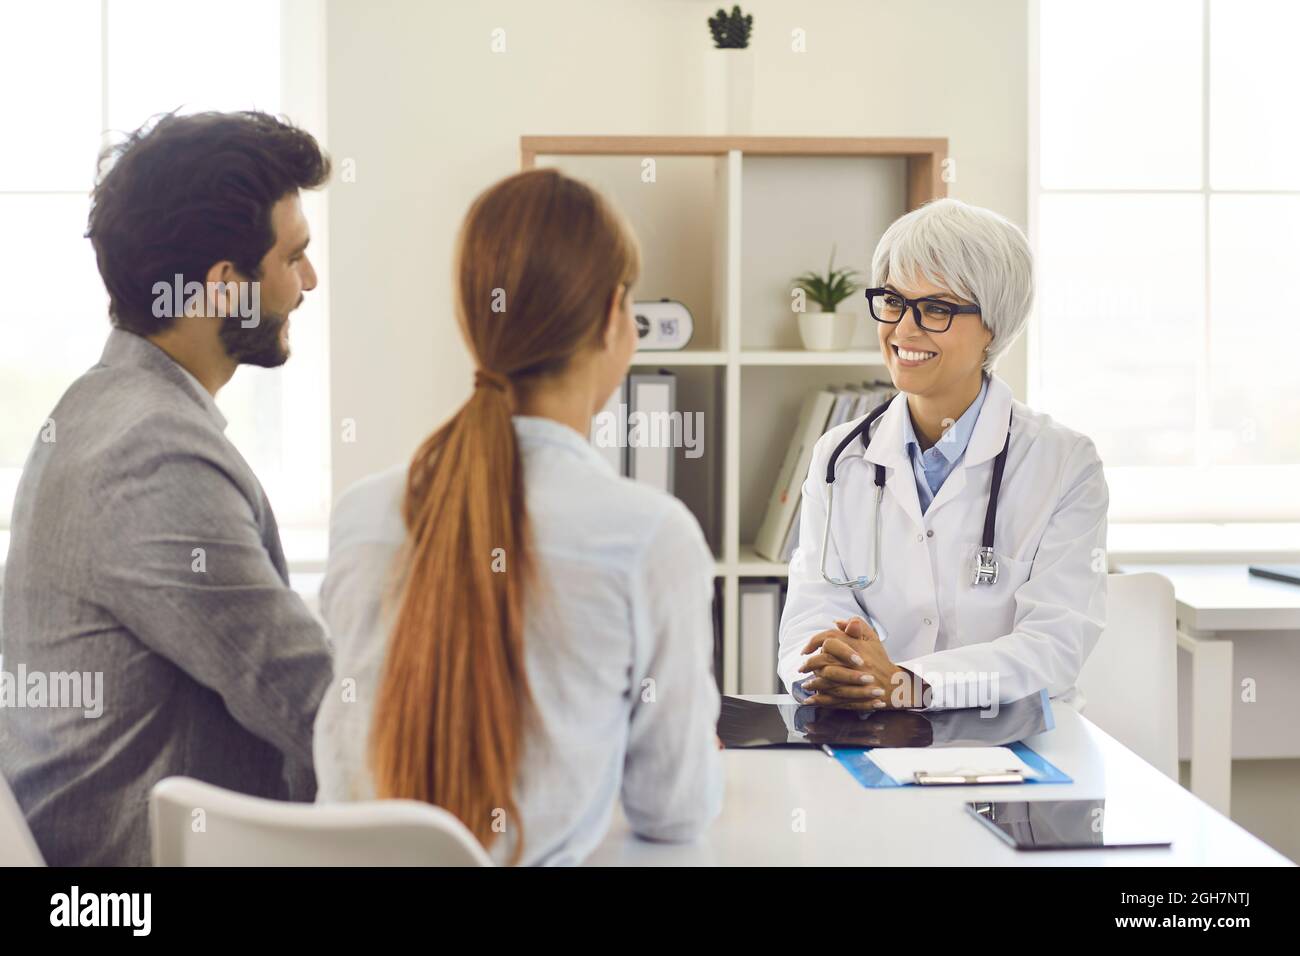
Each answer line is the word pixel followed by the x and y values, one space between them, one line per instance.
pixel 867 773
pixel 926 779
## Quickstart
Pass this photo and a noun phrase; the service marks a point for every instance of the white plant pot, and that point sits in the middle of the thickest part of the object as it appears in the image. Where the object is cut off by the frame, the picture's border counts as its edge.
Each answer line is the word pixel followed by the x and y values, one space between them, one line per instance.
pixel 827 331
pixel 729 92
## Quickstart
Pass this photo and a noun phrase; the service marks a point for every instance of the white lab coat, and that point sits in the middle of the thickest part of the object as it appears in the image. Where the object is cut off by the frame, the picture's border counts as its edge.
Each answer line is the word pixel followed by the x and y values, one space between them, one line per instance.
pixel 1031 630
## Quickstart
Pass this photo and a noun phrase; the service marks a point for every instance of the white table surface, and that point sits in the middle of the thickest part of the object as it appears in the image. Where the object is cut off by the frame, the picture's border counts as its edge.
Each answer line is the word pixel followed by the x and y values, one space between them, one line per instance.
pixel 848 824
pixel 1226 597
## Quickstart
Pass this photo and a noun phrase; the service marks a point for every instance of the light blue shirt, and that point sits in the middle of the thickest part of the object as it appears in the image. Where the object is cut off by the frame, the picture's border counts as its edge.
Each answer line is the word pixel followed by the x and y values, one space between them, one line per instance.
pixel 618 643
pixel 936 463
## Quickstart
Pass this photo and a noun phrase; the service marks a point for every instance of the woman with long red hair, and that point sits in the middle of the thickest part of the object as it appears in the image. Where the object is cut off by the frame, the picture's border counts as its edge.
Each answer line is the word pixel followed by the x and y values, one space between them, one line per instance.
pixel 523 636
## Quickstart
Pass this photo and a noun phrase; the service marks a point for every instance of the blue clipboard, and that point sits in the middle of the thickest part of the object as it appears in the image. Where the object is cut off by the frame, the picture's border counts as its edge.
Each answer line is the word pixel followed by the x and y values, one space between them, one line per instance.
pixel 865 771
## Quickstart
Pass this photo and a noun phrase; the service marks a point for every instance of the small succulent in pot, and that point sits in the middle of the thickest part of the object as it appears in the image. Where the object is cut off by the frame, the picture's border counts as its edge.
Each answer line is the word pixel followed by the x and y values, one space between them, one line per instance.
pixel 830 290
pixel 828 330
pixel 731 30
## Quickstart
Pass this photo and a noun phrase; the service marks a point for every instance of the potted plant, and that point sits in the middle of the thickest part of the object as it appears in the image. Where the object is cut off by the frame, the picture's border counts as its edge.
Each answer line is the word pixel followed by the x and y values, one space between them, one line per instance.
pixel 729 89
pixel 828 330
pixel 731 30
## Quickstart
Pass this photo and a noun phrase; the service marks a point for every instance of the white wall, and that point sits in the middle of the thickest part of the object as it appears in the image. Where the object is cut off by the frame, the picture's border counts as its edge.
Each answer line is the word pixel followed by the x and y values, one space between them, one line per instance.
pixel 430 116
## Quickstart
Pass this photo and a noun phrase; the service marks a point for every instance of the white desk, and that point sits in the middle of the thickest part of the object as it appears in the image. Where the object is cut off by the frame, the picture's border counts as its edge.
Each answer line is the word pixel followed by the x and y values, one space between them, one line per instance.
pixel 849 824
pixel 1213 599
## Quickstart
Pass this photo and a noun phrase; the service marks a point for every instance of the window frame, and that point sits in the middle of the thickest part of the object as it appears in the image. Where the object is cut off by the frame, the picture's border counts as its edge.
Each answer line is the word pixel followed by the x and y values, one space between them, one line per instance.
pixel 1197 495
pixel 301 97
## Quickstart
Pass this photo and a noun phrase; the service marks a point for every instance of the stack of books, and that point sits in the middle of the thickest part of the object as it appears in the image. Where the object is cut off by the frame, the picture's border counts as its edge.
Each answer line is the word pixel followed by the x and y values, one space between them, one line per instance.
pixel 778 535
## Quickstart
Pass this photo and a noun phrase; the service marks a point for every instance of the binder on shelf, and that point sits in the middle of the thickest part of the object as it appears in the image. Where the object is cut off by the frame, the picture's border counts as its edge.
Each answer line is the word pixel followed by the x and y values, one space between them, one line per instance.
pixel 608 428
pixel 759 629
pixel 846 400
pixel 851 403
pixel 651 399
pixel 791 539
pixel 784 500
pixel 868 396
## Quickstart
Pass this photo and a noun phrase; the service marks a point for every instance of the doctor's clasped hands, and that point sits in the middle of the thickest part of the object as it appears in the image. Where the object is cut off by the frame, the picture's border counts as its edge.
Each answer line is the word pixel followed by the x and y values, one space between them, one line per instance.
pixel 851 670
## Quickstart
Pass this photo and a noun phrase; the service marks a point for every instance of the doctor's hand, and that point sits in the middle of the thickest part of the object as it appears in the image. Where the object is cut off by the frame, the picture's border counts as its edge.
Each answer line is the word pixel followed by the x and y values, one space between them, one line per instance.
pixel 852 671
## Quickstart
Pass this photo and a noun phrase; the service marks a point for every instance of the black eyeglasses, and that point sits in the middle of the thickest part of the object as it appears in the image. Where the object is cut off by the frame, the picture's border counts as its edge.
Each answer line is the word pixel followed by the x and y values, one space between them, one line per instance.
pixel 931 314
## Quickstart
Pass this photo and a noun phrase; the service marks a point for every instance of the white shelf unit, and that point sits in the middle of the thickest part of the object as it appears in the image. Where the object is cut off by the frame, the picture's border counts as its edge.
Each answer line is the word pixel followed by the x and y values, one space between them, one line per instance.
pixel 775 206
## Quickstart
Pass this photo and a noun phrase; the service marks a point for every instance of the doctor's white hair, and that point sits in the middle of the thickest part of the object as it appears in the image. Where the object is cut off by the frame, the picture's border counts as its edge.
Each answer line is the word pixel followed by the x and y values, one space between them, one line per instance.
pixel 972 252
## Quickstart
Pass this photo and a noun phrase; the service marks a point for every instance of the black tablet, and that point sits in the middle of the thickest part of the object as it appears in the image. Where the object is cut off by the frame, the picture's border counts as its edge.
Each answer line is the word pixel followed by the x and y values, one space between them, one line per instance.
pixel 1288 573
pixel 1068 824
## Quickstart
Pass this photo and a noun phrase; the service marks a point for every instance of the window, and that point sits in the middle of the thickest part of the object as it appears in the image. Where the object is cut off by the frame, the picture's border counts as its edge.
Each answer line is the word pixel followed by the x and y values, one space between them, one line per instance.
pixel 99 68
pixel 1165 211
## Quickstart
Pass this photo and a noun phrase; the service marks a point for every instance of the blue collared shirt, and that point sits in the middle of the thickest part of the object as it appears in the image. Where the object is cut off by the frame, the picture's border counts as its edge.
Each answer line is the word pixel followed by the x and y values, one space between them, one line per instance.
pixel 936 463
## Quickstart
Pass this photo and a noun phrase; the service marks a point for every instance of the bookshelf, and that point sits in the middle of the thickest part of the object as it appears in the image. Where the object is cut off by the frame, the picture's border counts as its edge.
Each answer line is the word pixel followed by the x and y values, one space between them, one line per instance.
pixel 725 223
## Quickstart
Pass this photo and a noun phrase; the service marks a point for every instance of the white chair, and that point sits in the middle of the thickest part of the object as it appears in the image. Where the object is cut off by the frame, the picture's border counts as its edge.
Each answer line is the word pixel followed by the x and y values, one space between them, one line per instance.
pixel 1130 681
pixel 198 824
pixel 17 845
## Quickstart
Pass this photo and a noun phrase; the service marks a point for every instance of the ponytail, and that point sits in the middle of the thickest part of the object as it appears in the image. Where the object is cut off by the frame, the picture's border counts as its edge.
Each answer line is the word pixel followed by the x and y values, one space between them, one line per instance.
pixel 449 721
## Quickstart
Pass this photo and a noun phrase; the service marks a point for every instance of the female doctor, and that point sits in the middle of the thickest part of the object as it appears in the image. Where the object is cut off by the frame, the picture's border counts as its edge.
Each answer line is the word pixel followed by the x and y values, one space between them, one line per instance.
pixel 987 581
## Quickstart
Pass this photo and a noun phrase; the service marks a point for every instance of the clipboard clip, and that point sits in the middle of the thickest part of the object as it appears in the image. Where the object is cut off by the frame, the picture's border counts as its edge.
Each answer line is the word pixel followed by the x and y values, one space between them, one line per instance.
pixel 956 778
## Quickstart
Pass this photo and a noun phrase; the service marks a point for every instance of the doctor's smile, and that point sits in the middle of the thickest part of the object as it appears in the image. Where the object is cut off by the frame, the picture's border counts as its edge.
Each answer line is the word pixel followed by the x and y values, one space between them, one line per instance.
pixel 910 358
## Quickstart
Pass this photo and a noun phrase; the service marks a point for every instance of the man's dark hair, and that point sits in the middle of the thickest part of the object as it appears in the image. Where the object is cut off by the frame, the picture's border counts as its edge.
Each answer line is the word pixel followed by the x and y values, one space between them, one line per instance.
pixel 186 192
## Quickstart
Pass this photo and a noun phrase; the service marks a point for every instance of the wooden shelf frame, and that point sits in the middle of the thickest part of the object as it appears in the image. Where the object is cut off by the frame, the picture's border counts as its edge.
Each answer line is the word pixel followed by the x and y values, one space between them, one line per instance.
pixel 924 166
pixel 925 155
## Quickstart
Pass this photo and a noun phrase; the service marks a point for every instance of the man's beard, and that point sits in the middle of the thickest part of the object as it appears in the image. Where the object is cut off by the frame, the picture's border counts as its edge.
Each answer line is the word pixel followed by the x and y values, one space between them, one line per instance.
pixel 260 345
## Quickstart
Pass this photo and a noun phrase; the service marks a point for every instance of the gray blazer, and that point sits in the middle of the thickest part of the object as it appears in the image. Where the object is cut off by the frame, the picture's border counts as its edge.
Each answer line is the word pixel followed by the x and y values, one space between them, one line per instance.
pixel 144 560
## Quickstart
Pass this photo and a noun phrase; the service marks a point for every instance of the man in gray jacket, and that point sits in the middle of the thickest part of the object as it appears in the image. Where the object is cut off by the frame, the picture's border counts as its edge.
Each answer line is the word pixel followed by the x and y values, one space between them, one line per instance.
pixel 148 627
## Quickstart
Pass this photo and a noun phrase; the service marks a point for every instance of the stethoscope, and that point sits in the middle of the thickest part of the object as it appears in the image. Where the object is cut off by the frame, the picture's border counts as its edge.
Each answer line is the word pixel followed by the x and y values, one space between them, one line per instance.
pixel 986 565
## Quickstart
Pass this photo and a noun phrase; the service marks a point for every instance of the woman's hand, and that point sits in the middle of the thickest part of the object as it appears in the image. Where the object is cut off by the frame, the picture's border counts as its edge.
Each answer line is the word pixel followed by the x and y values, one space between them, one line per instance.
pixel 852 671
